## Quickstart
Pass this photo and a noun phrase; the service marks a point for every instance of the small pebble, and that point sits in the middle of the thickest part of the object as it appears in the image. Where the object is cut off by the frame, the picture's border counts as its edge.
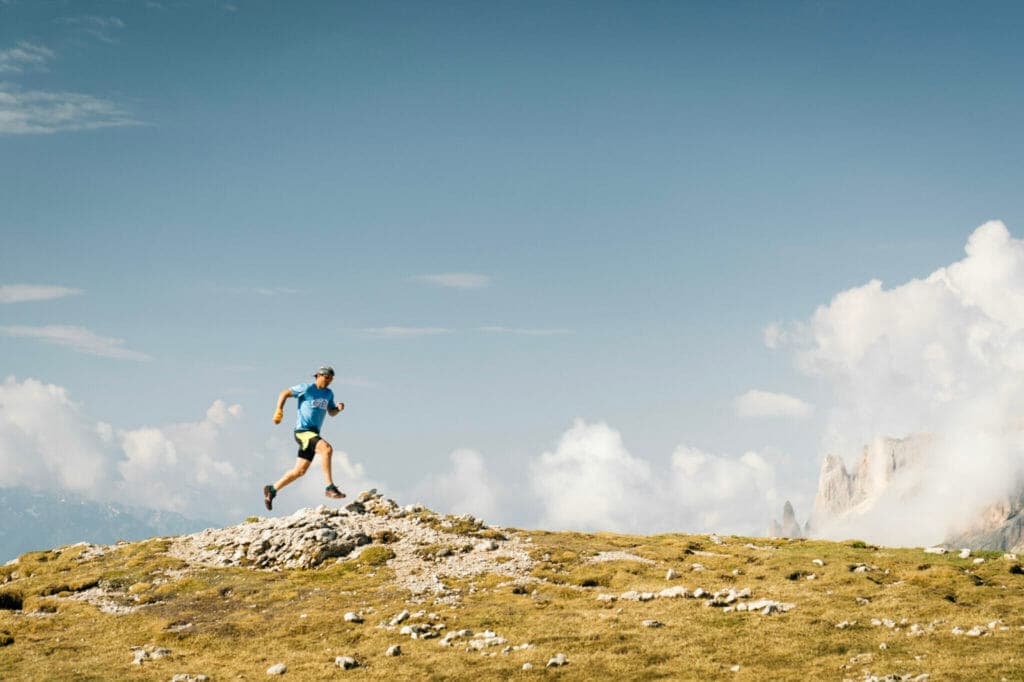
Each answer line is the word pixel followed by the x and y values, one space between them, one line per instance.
pixel 279 669
pixel 393 650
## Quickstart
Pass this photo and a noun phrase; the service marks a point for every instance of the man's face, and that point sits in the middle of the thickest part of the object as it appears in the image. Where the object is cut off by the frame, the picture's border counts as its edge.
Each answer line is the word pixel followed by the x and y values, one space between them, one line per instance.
pixel 323 380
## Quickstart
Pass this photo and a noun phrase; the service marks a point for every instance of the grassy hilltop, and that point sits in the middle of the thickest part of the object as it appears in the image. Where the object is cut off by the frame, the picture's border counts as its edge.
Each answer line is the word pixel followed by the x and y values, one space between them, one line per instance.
pixel 733 608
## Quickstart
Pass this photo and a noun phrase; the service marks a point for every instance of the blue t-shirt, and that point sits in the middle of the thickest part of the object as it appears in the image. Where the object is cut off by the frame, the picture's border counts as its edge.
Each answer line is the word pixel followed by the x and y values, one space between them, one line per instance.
pixel 313 404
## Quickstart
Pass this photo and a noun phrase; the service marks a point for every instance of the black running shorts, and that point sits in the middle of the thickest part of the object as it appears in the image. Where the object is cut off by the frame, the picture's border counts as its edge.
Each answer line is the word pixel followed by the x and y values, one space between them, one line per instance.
pixel 307 441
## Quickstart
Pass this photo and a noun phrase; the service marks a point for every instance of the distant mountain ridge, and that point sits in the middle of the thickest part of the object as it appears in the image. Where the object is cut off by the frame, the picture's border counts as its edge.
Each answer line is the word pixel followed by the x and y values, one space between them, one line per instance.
pixel 35 520
pixel 895 467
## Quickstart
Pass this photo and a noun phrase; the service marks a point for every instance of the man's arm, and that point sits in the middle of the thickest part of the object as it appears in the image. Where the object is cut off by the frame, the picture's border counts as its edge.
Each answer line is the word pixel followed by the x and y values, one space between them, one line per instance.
pixel 336 409
pixel 279 414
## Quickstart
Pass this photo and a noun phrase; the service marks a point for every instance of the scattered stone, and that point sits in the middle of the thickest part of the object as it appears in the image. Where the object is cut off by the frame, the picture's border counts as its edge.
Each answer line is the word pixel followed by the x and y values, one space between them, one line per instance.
pixel 148 653
pixel 964 553
pixel 671 574
pixel 818 562
pixel 767 607
pixel 935 550
pixel 674 592
pixel 883 646
pixel 189 677
pixel 484 640
pixel 715 539
pixel 697 567
pixel 346 662
pixel 617 556
pixel 606 597
pixel 979 560
pixel 734 669
pixel 633 595
pixel 400 618
pixel 393 650
pixel 846 624
pixel 1010 556
pixel 279 669
pixel 653 624
pixel 557 661
pixel 351 617
pixel 527 666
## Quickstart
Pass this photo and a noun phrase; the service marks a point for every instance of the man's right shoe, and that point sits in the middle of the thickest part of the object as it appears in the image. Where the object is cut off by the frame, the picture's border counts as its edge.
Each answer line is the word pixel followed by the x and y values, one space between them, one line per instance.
pixel 268 496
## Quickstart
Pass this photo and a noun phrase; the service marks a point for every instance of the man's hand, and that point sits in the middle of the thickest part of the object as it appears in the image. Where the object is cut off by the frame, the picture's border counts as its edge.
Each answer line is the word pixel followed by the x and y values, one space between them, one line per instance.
pixel 340 406
pixel 278 416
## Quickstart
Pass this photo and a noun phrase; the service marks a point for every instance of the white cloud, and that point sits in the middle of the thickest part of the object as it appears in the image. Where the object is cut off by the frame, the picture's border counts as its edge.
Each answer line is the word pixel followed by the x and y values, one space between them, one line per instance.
pixel 46 441
pixel 755 403
pixel 25 56
pixel 100 28
pixel 172 467
pixel 78 339
pixel 405 332
pixel 18 293
pixel 942 355
pixel 457 280
pixel 38 113
pixel 519 331
pixel 465 489
pixel 592 482
pixel 717 493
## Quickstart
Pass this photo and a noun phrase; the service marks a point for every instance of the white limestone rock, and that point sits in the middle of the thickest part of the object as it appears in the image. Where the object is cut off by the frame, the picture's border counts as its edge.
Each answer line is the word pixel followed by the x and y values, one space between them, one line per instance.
pixel 557 661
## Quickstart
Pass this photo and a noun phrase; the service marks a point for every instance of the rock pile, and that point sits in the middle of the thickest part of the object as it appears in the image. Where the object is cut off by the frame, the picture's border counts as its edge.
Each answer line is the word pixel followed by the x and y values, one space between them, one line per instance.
pixel 425 545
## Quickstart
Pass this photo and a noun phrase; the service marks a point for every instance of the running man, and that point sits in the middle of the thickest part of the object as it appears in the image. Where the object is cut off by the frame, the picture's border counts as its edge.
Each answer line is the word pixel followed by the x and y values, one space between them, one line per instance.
pixel 316 401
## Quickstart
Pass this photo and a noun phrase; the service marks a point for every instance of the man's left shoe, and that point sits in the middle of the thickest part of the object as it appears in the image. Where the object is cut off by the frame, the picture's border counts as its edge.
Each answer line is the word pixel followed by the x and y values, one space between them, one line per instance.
pixel 268 496
pixel 333 492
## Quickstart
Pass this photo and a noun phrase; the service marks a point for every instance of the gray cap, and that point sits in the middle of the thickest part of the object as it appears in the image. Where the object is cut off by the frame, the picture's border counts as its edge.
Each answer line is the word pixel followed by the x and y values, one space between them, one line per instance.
pixel 326 370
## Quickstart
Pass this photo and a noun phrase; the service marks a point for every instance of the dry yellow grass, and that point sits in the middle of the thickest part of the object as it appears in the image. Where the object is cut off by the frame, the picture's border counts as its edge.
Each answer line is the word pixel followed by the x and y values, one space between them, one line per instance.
pixel 243 621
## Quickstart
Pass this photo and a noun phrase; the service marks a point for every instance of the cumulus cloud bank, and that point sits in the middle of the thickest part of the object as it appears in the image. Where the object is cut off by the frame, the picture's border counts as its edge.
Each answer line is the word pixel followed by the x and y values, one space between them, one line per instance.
pixel 466 488
pixel 592 482
pixel 941 355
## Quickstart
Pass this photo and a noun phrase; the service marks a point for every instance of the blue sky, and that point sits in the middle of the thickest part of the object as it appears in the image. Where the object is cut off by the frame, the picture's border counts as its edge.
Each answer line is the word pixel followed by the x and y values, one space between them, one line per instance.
pixel 239 191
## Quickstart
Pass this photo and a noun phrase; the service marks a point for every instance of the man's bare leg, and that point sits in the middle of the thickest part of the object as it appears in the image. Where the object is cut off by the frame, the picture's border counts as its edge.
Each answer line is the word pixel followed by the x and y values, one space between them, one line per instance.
pixel 300 468
pixel 325 450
